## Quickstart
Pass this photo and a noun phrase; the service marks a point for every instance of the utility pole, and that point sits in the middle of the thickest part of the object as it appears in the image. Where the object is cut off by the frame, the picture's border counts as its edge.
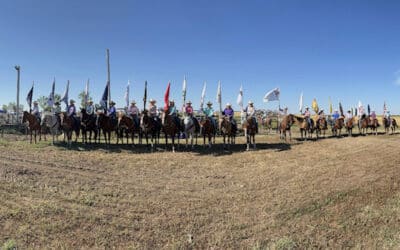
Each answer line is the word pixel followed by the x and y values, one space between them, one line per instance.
pixel 18 68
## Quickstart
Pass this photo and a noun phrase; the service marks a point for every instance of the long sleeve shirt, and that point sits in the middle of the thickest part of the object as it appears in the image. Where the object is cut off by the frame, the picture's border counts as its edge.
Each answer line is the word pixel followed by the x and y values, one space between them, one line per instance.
pixel 172 110
pixel 251 111
pixel 228 112
pixel 153 111
pixel 90 109
pixel 133 110
pixel 209 112
pixel 189 110
pixel 71 110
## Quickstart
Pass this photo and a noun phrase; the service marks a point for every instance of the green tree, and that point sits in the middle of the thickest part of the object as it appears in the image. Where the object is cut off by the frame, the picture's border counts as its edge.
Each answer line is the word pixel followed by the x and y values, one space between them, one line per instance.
pixel 5 108
pixel 12 107
pixel 81 98
pixel 42 101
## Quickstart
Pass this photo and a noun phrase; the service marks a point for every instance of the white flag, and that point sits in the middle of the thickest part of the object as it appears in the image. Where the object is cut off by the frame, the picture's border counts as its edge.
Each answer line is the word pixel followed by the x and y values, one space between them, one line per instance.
pixel 127 93
pixel 86 98
pixel 219 99
pixel 301 102
pixel 272 95
pixel 361 110
pixel 184 91
pixel 50 101
pixel 65 96
pixel 239 100
pixel 203 94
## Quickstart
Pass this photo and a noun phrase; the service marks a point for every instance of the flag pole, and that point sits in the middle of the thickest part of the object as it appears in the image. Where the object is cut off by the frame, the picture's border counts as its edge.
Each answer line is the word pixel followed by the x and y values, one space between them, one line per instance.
pixel 108 75
pixel 18 68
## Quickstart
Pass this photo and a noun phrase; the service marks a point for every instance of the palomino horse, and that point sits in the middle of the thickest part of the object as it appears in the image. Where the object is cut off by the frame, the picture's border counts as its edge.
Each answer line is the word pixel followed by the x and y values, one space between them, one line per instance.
pixel 284 126
pixel 250 129
pixel 70 125
pixel 267 123
pixel 190 130
pixel 149 127
pixel 170 128
pixel 321 125
pixel 33 125
pixel 127 125
pixel 389 125
pixel 228 131
pixel 107 125
pixel 88 124
pixel 305 127
pixel 349 126
pixel 337 127
pixel 51 122
pixel 207 129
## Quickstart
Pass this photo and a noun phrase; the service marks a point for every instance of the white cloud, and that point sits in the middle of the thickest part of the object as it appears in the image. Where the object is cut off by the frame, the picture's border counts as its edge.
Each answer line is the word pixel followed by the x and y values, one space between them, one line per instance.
pixel 397 76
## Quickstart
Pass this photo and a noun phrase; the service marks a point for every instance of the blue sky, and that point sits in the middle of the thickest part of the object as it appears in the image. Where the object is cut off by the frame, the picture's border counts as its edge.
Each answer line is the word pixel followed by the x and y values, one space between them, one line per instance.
pixel 348 50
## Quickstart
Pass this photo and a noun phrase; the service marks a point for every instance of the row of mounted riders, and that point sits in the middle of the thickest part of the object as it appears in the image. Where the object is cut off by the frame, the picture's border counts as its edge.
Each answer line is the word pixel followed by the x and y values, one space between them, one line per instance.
pixel 143 126
pixel 308 125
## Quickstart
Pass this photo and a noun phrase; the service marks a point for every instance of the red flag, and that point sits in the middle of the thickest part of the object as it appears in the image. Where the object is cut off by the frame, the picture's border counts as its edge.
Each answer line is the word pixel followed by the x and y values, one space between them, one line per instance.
pixel 166 98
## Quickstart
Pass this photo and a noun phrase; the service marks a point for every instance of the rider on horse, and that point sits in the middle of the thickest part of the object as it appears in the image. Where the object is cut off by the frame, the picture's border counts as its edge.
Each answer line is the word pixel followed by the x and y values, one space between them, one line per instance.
pixel 72 113
pixel 388 117
pixel 153 112
pixel 321 116
pixel 348 117
pixel 134 112
pixel 173 112
pixel 57 111
pixel 372 117
pixel 112 113
pixel 209 112
pixel 251 112
pixel 229 112
pixel 335 115
pixel 90 109
pixel 307 116
pixel 35 111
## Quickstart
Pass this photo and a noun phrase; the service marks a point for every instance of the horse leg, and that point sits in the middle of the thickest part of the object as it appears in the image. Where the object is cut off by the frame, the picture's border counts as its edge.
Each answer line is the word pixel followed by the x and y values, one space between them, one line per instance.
pixel 254 141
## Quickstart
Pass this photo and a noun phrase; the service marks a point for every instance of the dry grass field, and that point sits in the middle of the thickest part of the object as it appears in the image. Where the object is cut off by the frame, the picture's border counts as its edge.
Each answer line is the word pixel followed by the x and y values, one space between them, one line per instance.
pixel 330 193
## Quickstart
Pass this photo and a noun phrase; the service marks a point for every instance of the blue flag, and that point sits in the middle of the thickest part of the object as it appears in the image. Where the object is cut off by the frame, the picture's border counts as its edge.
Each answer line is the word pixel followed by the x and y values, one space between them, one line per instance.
pixel 29 98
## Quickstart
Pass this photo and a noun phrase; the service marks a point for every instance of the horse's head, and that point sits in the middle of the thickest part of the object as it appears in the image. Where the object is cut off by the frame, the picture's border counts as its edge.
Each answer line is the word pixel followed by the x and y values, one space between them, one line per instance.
pixel 25 117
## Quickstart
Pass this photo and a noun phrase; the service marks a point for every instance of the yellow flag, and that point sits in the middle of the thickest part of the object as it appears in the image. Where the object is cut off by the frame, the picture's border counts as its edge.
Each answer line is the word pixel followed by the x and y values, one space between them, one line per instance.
pixel 330 106
pixel 315 106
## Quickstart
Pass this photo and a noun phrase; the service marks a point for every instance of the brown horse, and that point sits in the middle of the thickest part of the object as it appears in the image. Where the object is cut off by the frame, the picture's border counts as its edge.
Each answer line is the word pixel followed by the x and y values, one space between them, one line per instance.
pixel 365 122
pixel 349 126
pixel 150 127
pixel 305 127
pixel 389 125
pixel 170 128
pixel 33 125
pixel 69 125
pixel 228 132
pixel 106 125
pixel 337 127
pixel 321 126
pixel 127 125
pixel 207 130
pixel 284 126
pixel 88 124
pixel 373 124
pixel 250 129
pixel 267 123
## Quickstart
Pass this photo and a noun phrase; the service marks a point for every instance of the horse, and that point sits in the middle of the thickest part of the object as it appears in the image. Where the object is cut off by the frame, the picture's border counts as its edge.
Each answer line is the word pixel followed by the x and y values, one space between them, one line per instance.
pixel 321 126
pixel 190 129
pixel 53 123
pixel 349 126
pixel 284 126
pixel 107 125
pixel 250 129
pixel 170 128
pixel 337 126
pixel 70 125
pixel 150 127
pixel 228 131
pixel 127 125
pixel 207 130
pixel 267 123
pixel 33 125
pixel 373 124
pixel 88 124
pixel 365 123
pixel 305 127
pixel 389 125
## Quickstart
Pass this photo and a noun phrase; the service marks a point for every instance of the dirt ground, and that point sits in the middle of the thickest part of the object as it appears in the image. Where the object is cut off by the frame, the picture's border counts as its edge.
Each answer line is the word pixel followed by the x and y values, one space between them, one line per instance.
pixel 330 193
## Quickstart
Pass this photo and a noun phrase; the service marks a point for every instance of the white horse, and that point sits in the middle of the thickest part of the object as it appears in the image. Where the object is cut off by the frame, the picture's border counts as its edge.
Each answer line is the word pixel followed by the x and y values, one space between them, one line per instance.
pixel 51 122
pixel 190 130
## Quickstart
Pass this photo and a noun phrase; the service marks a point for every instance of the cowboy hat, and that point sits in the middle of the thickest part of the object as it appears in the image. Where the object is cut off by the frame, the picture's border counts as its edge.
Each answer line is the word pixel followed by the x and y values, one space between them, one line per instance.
pixel 90 101
pixel 172 100
pixel 57 103
pixel 35 102
pixel 72 101
pixel 188 102
pixel 250 102
pixel 228 104
pixel 152 100
pixel 209 103
pixel 112 103
pixel 133 102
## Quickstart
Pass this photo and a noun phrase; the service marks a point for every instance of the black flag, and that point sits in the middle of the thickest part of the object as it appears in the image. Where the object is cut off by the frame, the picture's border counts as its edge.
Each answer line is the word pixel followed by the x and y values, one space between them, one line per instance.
pixel 145 95
pixel 104 98
pixel 29 98
pixel 341 109
pixel 369 110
